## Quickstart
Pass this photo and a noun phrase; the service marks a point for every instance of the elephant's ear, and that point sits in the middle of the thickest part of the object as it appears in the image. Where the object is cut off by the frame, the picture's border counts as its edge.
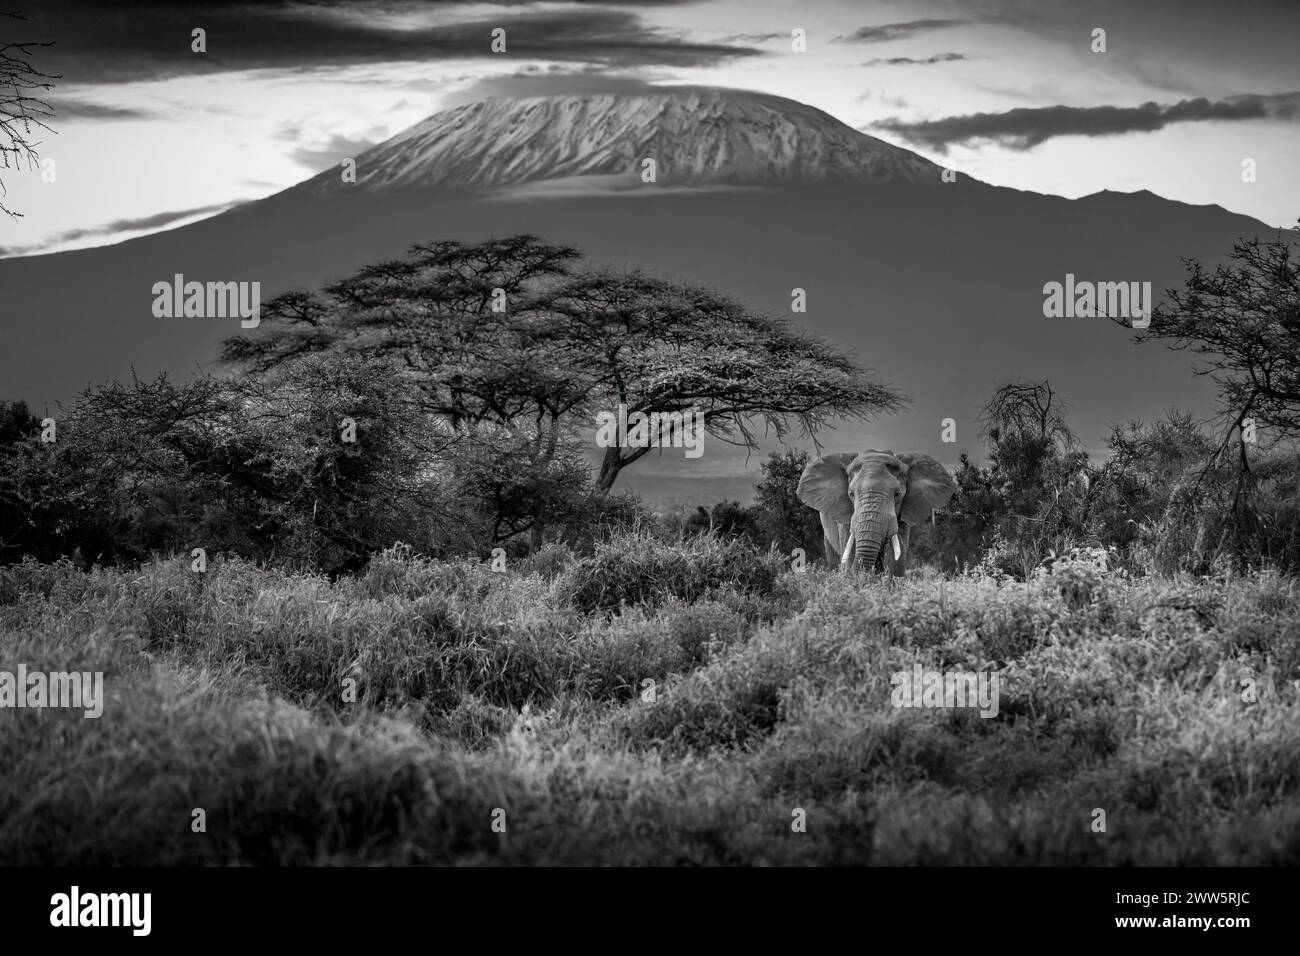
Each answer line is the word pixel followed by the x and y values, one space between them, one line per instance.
pixel 824 485
pixel 929 488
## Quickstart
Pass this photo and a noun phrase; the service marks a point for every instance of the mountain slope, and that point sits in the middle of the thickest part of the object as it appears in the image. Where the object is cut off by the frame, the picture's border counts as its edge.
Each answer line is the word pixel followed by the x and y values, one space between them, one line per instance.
pixel 936 287
pixel 694 135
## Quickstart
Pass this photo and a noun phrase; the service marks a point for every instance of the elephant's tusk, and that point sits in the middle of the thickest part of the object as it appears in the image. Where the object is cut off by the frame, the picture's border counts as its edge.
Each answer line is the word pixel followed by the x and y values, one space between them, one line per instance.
pixel 848 552
pixel 898 547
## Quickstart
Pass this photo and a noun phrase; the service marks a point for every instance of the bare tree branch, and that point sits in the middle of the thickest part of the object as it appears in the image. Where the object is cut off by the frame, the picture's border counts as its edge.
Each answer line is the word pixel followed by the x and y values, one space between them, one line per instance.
pixel 22 113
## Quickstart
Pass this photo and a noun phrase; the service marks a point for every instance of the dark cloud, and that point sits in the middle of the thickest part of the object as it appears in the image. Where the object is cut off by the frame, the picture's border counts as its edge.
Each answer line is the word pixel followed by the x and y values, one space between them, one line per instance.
pixel 896 31
pixel 756 37
pixel 155 221
pixel 911 61
pixel 108 42
pixel 1025 128
pixel 71 109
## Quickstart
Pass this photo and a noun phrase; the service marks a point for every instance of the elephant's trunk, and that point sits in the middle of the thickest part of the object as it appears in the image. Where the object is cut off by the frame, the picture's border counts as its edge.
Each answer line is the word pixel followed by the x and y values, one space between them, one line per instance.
pixel 873 521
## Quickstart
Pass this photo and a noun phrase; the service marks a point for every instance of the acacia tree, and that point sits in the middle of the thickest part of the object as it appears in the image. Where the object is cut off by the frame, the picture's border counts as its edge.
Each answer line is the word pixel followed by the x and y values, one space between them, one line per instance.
pixel 1033 450
pixel 1036 491
pixel 510 334
pixel 461 328
pixel 457 321
pixel 1033 409
pixel 22 112
pixel 1243 321
pixel 657 346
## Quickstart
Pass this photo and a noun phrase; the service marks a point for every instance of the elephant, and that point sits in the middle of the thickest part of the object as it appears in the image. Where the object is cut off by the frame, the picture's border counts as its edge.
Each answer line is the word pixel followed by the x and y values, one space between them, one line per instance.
pixel 870 498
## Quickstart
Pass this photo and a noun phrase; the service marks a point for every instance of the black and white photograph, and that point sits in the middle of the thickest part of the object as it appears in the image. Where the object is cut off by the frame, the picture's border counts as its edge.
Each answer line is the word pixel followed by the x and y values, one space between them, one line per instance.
pixel 650 435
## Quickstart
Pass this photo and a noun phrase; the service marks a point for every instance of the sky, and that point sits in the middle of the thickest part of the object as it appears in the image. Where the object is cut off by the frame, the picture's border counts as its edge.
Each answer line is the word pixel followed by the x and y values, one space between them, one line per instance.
pixel 148 134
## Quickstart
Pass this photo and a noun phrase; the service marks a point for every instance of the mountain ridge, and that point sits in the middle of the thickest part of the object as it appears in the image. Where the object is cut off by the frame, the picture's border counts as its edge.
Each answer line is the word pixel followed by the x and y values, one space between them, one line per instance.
pixel 696 135
pixel 938 288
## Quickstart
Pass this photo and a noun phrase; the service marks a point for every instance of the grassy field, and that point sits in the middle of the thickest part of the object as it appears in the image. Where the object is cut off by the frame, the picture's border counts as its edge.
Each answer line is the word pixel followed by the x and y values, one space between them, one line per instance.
pixel 653 703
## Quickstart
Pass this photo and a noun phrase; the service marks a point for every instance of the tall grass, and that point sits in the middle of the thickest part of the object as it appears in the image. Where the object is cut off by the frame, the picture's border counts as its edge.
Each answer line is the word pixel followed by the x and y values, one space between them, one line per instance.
pixel 657 701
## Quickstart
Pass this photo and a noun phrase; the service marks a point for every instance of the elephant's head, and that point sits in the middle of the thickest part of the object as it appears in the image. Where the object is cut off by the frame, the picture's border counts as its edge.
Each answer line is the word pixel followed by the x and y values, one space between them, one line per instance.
pixel 872 499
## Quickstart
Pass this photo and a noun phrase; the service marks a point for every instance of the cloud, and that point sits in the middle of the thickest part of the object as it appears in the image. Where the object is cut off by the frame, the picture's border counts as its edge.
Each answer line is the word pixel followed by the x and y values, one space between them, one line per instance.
pixel 73 109
pixel 1024 128
pixel 551 82
pixel 317 156
pixel 139 224
pixel 756 37
pixel 896 31
pixel 910 61
pixel 627 185
pixel 885 99
pixel 98 43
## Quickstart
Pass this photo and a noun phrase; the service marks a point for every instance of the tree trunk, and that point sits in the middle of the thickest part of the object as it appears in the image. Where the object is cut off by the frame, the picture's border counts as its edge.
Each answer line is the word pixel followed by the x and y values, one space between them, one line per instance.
pixel 609 469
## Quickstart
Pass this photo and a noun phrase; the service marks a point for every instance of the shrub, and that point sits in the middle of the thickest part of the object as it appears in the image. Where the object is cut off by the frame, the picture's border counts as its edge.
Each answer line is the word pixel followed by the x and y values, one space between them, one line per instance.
pixel 642 568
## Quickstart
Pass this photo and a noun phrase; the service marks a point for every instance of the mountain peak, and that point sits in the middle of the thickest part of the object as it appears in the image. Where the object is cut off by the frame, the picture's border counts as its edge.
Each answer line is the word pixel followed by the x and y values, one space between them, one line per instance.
pixel 695 135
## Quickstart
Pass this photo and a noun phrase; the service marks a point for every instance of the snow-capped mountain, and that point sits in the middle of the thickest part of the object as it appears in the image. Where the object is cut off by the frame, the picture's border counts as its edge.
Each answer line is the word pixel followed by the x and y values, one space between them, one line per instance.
pixel 694 135
pixel 939 287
